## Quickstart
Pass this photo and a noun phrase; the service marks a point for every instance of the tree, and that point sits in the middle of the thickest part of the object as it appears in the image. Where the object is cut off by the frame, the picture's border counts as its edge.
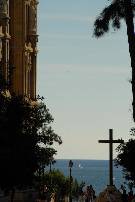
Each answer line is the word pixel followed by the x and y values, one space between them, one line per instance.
pixel 114 13
pixel 25 134
pixel 59 184
pixel 75 189
pixel 125 158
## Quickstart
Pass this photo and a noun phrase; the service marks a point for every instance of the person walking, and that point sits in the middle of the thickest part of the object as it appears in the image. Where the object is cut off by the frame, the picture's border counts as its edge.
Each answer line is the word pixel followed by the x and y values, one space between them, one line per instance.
pixel 130 196
pixel 88 194
pixel 124 196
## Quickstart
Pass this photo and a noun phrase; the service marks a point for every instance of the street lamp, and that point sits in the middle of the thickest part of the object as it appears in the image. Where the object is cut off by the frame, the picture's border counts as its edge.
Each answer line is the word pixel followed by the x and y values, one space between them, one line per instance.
pixel 70 179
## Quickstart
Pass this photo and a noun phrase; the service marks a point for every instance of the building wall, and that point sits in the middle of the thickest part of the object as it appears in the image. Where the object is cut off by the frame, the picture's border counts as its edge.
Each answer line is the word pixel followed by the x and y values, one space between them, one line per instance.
pixel 21 50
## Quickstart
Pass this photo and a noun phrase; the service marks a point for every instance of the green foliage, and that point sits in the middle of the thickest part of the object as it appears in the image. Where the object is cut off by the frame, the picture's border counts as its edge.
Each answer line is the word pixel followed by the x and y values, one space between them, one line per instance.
pixel 26 139
pixel 60 185
pixel 75 188
pixel 112 16
pixel 125 158
pixel 57 183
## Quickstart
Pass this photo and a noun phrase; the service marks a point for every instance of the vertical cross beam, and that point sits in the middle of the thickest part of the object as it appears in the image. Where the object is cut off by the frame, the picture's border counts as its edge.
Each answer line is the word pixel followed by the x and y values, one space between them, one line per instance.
pixel 111 156
pixel 111 141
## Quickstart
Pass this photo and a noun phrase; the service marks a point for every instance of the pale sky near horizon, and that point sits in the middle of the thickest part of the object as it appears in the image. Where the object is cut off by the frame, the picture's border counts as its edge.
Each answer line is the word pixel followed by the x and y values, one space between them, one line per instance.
pixel 85 81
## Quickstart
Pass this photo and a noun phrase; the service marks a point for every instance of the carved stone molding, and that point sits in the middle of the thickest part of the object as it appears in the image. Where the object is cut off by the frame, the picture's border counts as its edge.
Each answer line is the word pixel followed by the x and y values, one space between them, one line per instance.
pixel 3 8
pixel 1 32
pixel 36 2
pixel 7 36
pixel 27 2
pixel 28 47
pixel 33 38
pixel 35 51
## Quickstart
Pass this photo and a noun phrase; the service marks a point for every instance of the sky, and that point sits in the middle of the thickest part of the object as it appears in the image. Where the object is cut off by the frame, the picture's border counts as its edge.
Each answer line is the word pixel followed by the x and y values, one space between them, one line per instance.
pixel 84 80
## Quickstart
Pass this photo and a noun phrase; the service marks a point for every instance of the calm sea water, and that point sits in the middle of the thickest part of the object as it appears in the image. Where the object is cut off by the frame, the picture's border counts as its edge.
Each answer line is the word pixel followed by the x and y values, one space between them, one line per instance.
pixel 95 172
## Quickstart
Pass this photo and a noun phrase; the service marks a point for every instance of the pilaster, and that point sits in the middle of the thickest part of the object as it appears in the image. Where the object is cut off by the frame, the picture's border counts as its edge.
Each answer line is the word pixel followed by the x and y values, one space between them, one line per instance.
pixel 4 37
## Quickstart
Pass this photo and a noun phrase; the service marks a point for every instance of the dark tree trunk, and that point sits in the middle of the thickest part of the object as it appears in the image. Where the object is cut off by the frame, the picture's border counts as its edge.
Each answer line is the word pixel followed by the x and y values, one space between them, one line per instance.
pixel 131 42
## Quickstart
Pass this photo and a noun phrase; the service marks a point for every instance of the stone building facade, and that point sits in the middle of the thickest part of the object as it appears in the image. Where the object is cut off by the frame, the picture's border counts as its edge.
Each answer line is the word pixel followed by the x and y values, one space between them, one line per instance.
pixel 18 45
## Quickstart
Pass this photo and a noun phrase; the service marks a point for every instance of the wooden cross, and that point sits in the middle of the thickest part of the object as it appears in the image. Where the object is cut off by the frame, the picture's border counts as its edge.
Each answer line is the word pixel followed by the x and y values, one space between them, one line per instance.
pixel 111 141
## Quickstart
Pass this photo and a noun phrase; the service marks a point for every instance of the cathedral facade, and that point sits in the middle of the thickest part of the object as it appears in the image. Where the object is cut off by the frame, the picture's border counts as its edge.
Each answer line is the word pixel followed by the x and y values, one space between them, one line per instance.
pixel 18 45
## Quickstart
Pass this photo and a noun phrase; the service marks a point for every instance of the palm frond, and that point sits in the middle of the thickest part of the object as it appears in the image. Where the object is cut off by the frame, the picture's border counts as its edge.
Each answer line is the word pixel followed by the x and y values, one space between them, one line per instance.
pixel 113 13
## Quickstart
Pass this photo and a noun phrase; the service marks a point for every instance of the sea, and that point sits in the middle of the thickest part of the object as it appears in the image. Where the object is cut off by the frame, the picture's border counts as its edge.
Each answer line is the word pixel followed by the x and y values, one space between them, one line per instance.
pixel 92 172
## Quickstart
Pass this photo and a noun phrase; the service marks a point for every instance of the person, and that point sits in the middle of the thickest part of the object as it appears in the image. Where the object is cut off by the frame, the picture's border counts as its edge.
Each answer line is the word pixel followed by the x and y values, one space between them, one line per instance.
pixel 86 194
pixel 124 196
pixel 122 188
pixel 89 194
pixel 94 195
pixel 130 196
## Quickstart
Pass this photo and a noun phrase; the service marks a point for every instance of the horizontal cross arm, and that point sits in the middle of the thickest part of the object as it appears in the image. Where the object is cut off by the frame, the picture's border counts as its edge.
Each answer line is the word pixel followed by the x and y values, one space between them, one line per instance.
pixel 111 141
pixel 104 141
pixel 118 141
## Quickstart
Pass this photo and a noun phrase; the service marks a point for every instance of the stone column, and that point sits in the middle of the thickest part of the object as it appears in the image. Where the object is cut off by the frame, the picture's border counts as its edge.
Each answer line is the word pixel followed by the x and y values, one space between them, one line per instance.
pixel 33 18
pixel 4 36
pixel 1 37
pixel 28 67
pixel 33 38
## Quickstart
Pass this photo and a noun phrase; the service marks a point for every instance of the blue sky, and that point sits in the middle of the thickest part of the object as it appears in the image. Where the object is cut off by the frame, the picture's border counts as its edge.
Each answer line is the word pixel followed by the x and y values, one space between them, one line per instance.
pixel 85 81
